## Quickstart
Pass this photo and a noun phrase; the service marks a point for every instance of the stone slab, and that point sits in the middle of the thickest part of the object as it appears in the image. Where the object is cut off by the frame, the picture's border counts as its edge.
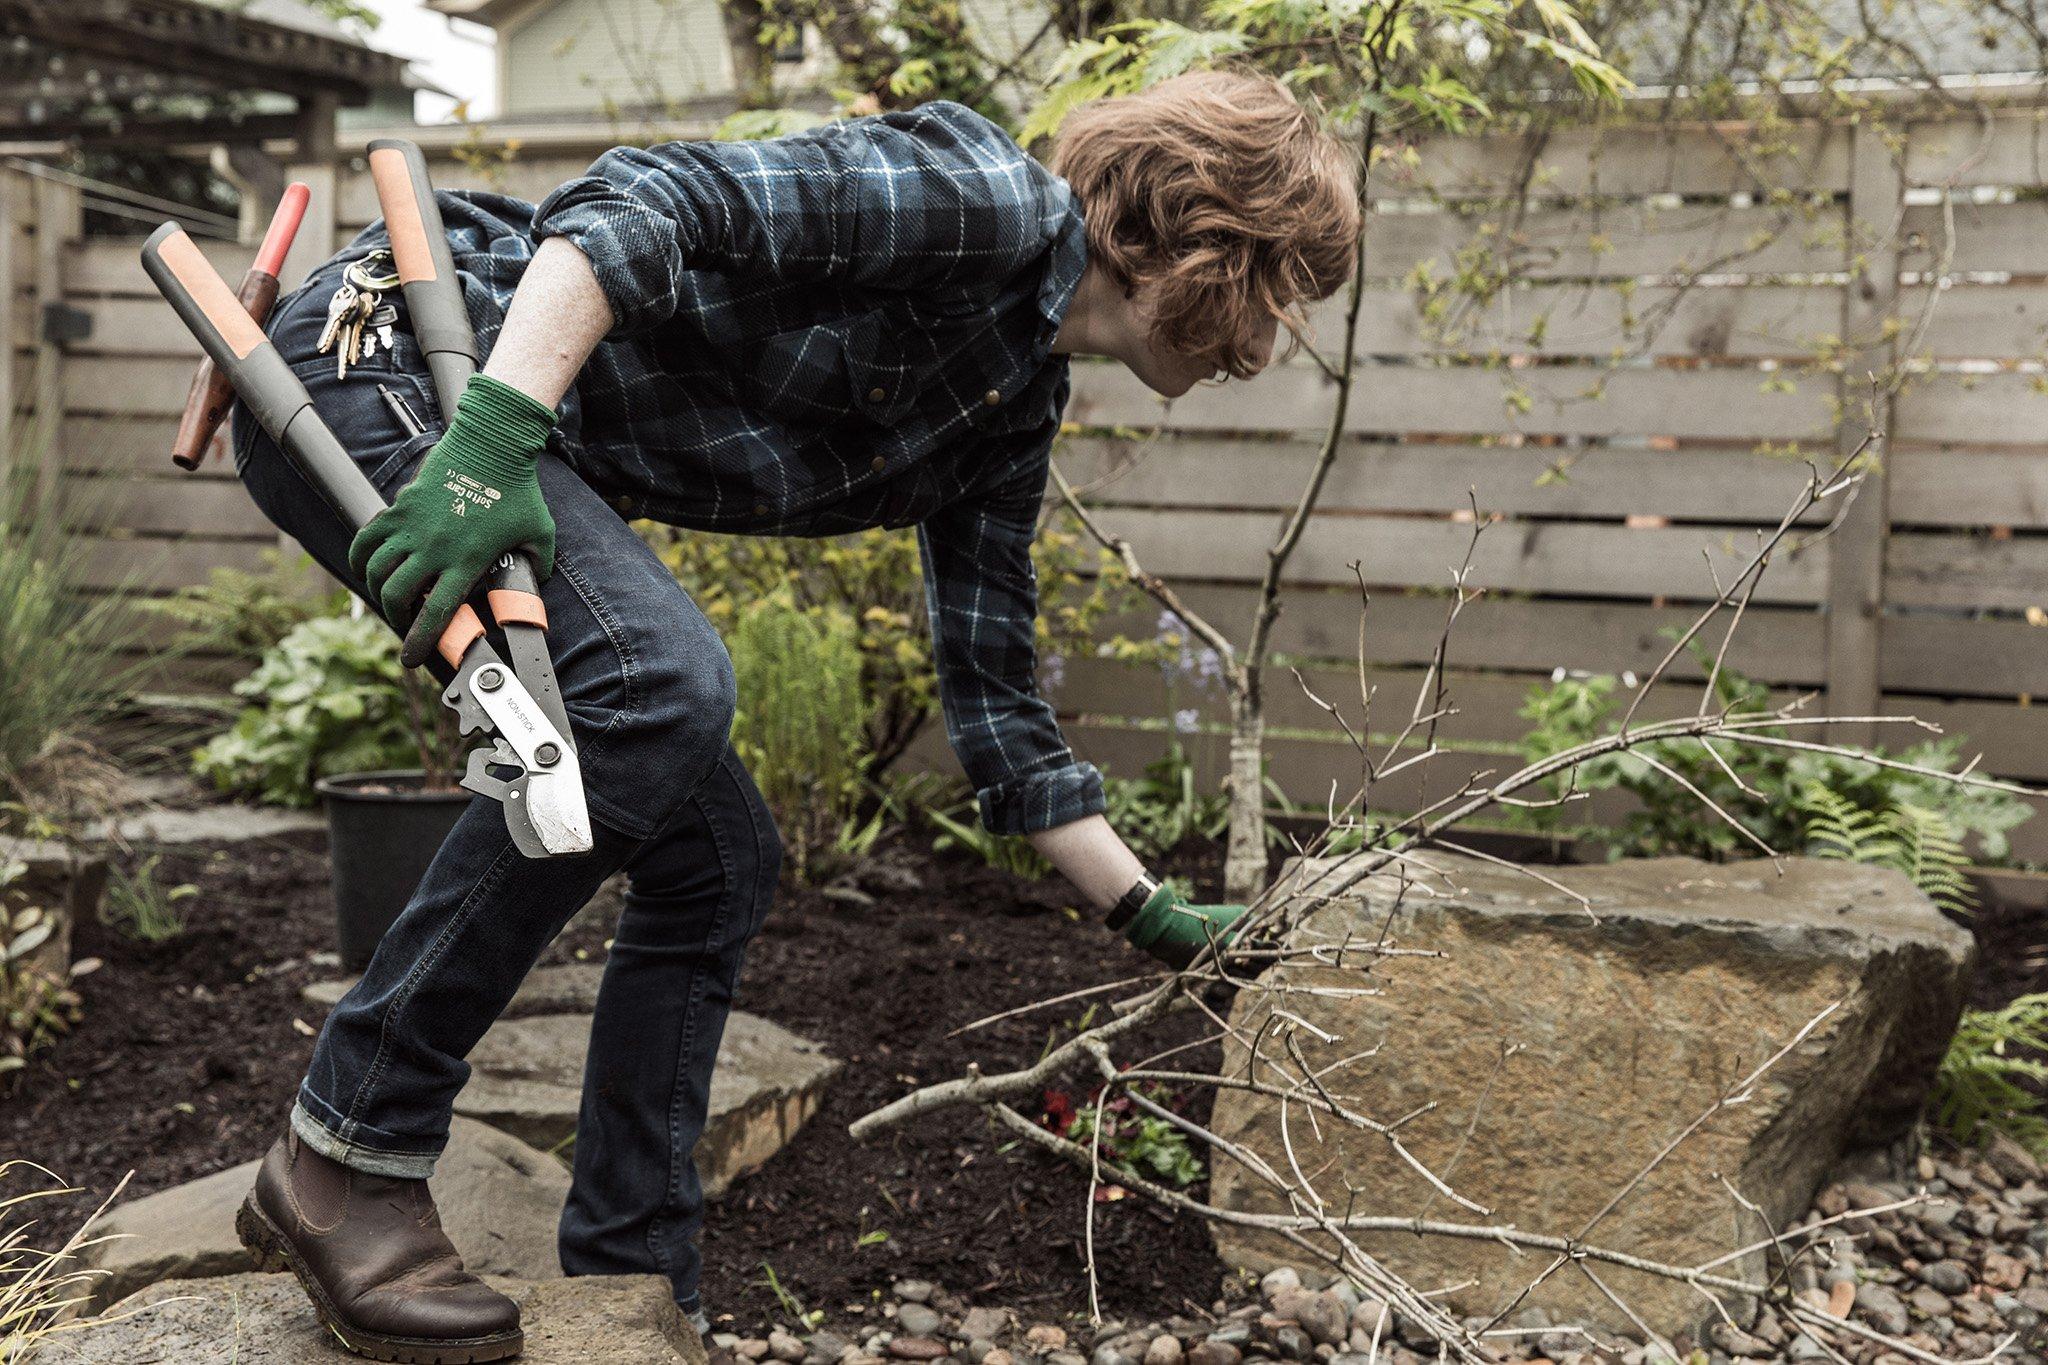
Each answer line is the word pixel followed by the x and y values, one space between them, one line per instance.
pixel 208 824
pixel 527 1078
pixel 500 1201
pixel 1626 1025
pixel 267 1320
pixel 570 989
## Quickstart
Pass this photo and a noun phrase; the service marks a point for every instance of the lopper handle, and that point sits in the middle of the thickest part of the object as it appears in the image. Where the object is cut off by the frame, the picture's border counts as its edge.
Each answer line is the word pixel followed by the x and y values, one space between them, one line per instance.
pixel 426 267
pixel 272 393
pixel 440 323
pixel 206 402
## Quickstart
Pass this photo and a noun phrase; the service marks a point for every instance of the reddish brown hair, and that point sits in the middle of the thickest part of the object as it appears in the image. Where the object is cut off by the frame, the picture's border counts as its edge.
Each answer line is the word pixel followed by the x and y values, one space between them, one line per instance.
pixel 1222 189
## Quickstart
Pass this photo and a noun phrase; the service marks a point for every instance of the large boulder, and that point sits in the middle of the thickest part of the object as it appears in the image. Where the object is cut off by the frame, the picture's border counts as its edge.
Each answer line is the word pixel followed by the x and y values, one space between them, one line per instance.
pixel 268 1320
pixel 526 1077
pixel 1563 1049
pixel 500 1201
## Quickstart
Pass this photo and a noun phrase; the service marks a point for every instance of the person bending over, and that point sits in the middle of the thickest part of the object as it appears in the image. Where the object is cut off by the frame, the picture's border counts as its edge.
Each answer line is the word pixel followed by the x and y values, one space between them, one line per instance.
pixel 866 324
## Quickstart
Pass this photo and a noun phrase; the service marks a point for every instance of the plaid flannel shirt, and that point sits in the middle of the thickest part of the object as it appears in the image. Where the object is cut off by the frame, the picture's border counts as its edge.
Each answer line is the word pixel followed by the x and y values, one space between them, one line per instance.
pixel 844 328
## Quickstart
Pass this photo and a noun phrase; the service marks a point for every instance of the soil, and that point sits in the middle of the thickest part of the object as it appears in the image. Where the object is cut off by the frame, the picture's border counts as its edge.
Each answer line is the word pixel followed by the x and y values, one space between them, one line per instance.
pixel 189 1050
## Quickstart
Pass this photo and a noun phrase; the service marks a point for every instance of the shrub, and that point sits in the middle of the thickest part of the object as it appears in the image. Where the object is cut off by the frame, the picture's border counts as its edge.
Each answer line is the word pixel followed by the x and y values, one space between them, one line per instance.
pixel 1819 804
pixel 330 697
pixel 875 578
pixel 244 615
pixel 800 725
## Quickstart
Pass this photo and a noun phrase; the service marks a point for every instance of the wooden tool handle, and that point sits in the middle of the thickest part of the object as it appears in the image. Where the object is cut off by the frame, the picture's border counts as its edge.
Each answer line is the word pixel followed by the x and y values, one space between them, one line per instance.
pixel 208 398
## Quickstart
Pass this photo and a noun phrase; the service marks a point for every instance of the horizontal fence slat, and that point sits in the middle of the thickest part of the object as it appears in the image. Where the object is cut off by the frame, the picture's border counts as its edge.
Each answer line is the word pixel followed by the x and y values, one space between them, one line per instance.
pixel 1972 409
pixel 1972 658
pixel 137 443
pixel 1487 706
pixel 1564 400
pixel 1559 558
pixel 1617 241
pixel 1942 570
pixel 2008 148
pixel 1969 488
pixel 1987 237
pixel 2013 739
pixel 1600 320
pixel 1523 635
pixel 113 265
pixel 183 504
pixel 1621 160
pixel 1690 483
pixel 128 386
pixel 134 327
pixel 118 564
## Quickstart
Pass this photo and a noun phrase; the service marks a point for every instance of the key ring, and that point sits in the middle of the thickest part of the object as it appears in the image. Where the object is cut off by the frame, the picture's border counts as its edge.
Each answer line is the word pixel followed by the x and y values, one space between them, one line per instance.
pixel 358 274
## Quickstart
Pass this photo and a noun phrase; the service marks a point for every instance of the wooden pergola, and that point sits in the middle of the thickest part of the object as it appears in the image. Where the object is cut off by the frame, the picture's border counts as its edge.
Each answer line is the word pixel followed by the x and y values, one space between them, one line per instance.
pixel 180 73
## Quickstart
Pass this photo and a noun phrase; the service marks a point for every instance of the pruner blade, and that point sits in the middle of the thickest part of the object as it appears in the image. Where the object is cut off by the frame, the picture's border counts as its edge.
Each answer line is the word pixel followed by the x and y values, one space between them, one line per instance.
pixel 545 811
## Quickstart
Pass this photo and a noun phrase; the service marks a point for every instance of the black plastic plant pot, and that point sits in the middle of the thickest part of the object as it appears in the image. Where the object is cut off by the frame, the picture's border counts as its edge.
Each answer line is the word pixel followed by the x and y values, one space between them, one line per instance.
pixel 382 831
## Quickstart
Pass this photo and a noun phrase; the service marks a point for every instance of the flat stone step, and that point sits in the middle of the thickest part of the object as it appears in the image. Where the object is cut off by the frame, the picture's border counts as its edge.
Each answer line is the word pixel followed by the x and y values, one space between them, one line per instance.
pixel 500 1201
pixel 268 1320
pixel 570 989
pixel 527 1078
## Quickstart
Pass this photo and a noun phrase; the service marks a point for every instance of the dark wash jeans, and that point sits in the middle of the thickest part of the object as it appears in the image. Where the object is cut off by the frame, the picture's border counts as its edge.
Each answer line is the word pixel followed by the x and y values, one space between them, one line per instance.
pixel 649 691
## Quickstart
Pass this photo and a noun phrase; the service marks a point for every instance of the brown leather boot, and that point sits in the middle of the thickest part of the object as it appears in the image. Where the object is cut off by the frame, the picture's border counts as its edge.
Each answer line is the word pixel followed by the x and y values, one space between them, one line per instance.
pixel 371 1254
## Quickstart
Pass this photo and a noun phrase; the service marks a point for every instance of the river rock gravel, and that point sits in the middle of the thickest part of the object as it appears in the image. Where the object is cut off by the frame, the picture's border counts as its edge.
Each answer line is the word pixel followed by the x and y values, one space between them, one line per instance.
pixel 1945 1255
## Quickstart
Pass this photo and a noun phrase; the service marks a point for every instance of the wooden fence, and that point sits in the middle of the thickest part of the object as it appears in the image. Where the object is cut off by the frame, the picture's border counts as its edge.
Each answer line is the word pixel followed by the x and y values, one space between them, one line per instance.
pixel 1694 313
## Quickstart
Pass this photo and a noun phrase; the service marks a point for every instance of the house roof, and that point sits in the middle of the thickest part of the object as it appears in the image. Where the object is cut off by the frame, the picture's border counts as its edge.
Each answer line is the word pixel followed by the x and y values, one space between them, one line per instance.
pixel 491 12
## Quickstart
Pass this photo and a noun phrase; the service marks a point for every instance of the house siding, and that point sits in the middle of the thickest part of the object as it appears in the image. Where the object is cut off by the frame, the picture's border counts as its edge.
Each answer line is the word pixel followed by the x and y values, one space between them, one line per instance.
pixel 575 57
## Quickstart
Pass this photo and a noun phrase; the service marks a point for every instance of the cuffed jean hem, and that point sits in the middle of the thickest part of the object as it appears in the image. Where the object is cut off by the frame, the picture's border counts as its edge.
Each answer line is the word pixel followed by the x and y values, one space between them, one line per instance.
pixel 355 1156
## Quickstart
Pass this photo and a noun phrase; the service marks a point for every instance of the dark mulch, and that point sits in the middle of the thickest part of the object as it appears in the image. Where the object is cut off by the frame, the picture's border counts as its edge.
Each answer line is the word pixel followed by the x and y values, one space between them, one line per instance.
pixel 187 1058
pixel 961 1203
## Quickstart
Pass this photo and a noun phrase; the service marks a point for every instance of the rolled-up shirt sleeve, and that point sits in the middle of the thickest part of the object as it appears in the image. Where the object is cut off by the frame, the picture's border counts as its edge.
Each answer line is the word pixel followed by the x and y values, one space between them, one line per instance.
pixel 926 198
pixel 981 593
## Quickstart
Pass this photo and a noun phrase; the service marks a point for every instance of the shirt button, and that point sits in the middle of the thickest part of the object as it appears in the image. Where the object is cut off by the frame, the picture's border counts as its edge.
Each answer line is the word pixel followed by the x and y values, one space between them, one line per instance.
pixel 878 464
pixel 760 509
pixel 623 505
pixel 877 395
pixel 992 397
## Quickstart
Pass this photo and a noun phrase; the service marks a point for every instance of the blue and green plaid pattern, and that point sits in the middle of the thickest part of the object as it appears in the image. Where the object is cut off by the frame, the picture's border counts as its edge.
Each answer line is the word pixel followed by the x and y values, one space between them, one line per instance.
pixel 843 328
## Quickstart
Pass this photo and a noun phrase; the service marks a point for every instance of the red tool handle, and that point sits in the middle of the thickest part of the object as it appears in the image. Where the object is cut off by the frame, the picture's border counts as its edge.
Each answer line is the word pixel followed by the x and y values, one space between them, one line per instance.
pixel 206 402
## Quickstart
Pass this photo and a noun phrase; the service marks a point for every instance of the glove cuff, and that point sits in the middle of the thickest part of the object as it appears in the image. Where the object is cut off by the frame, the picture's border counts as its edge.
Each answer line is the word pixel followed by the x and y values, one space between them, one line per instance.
pixel 498 431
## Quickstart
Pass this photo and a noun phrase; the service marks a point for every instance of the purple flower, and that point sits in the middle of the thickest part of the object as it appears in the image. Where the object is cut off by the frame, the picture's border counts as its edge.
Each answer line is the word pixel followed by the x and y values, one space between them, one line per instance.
pixel 1186 721
pixel 1053 671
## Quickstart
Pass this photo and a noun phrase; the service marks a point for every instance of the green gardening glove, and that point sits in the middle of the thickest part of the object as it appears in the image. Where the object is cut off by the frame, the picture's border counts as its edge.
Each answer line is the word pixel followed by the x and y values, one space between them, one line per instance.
pixel 1174 931
pixel 475 498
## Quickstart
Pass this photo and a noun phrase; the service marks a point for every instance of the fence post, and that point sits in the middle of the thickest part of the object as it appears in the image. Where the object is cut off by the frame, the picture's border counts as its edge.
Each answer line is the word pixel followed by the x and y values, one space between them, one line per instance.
pixel 10 227
pixel 1855 594
pixel 59 220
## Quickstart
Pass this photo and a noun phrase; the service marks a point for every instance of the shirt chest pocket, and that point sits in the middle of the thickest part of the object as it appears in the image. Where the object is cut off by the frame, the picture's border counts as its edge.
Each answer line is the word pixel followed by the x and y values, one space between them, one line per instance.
pixel 831 374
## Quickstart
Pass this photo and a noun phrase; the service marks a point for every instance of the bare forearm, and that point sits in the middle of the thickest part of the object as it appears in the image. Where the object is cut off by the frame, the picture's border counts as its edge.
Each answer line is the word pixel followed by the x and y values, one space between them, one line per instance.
pixel 1088 853
pixel 557 317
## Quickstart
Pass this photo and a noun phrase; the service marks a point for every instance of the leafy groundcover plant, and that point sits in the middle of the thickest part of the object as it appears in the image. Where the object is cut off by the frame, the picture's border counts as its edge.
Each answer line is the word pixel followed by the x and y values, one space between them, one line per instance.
pixel 329 698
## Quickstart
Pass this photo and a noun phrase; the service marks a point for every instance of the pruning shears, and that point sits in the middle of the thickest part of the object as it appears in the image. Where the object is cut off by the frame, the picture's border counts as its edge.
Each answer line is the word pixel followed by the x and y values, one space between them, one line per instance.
pixel 530 767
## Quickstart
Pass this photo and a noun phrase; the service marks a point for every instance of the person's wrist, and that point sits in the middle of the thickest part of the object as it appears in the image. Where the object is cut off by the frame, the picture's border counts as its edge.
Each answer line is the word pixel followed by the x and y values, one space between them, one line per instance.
pixel 1135 901
pixel 498 431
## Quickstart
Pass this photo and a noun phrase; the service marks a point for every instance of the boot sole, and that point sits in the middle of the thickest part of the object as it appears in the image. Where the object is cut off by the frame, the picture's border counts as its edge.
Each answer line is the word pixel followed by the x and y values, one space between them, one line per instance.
pixel 274 1252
